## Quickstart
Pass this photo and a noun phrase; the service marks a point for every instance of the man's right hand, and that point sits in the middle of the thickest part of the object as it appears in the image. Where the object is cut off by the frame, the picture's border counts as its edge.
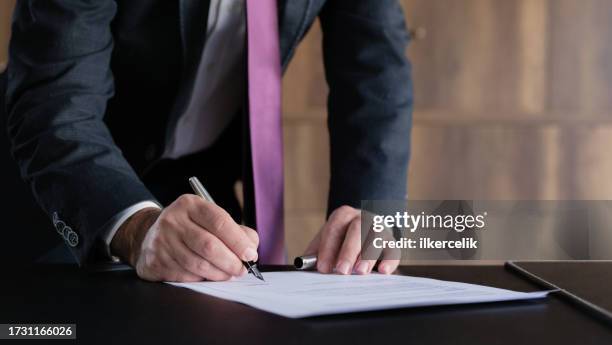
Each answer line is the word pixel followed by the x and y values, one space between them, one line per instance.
pixel 190 240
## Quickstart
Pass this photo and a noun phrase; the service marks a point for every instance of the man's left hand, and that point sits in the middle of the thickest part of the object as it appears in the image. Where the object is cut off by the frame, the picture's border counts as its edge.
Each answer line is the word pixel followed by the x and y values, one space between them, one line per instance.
pixel 338 246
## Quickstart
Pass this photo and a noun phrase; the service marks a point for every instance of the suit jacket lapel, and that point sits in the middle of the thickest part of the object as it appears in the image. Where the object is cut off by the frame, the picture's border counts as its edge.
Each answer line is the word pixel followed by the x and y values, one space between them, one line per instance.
pixel 193 20
pixel 292 15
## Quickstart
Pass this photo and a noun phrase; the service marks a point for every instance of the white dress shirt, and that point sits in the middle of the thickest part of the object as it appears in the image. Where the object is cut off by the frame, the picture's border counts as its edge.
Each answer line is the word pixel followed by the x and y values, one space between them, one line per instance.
pixel 217 94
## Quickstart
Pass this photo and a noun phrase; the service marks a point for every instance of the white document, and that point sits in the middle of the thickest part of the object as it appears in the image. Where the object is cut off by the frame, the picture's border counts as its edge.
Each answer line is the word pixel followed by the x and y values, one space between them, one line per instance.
pixel 303 294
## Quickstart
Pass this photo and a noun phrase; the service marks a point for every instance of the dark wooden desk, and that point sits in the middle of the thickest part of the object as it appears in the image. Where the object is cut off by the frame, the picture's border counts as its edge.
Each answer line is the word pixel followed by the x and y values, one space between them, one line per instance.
pixel 589 280
pixel 118 308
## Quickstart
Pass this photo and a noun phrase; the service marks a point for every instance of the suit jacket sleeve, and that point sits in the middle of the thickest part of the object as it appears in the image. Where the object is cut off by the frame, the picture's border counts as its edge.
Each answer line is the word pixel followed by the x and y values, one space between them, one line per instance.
pixel 370 100
pixel 59 82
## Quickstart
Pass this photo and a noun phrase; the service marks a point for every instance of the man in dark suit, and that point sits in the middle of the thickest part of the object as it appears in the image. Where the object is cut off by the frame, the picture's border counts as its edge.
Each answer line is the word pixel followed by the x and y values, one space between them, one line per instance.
pixel 112 105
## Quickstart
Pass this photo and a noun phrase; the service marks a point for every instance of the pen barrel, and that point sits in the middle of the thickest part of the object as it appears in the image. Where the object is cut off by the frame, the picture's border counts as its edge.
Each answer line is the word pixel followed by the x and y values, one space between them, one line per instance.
pixel 305 262
pixel 199 189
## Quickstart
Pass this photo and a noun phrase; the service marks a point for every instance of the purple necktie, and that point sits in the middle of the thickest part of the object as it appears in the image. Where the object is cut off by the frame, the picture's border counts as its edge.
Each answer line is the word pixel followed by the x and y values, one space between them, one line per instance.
pixel 264 78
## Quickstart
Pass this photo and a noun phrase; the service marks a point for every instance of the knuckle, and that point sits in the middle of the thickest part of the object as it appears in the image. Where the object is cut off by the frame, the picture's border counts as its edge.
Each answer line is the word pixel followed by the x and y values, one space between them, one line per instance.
pixel 202 266
pixel 186 200
pixel 208 246
pixel 341 213
pixel 345 209
pixel 165 221
pixel 182 200
pixel 218 220
pixel 335 213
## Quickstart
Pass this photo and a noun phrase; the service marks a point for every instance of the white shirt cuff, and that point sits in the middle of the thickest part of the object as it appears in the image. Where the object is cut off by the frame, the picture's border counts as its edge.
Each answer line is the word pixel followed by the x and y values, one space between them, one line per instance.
pixel 115 223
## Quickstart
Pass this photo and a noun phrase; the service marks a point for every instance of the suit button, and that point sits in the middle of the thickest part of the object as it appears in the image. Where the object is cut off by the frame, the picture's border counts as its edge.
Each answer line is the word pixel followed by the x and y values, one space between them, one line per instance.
pixel 66 232
pixel 73 239
pixel 150 152
pixel 59 227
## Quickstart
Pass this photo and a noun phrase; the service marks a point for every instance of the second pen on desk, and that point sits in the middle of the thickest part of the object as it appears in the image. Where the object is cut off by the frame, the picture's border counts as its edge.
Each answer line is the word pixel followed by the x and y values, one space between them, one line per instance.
pixel 199 189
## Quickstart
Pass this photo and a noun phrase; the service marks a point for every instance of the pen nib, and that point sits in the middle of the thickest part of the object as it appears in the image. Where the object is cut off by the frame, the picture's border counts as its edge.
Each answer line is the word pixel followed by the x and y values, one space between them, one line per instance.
pixel 253 269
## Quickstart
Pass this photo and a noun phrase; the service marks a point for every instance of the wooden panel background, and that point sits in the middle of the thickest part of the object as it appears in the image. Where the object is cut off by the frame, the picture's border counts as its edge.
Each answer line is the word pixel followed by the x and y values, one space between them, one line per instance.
pixel 512 101
pixel 6 8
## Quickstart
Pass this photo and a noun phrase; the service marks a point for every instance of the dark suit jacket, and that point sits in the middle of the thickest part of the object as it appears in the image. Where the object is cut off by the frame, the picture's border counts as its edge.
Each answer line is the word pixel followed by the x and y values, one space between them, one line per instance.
pixel 94 86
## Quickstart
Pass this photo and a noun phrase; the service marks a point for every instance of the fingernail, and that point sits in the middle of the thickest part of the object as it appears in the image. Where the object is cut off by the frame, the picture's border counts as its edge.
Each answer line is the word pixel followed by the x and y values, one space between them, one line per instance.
pixel 384 268
pixel 362 267
pixel 343 267
pixel 249 255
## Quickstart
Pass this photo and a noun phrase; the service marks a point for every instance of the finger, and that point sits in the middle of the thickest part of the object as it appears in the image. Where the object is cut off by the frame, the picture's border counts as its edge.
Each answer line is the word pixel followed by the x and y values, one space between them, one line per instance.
pixel 209 247
pixel 164 268
pixel 389 261
pixel 350 247
pixel 390 255
pixel 332 237
pixel 180 275
pixel 369 253
pixel 192 262
pixel 251 234
pixel 364 266
pixel 313 247
pixel 388 266
pixel 219 223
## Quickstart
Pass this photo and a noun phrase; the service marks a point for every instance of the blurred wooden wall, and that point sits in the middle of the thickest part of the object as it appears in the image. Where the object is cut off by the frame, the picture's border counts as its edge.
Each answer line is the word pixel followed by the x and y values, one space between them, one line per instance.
pixel 513 101
pixel 6 9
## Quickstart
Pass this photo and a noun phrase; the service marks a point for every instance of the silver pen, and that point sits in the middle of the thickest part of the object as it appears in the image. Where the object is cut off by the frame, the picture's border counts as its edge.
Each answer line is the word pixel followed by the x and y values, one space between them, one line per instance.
pixel 305 262
pixel 199 189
